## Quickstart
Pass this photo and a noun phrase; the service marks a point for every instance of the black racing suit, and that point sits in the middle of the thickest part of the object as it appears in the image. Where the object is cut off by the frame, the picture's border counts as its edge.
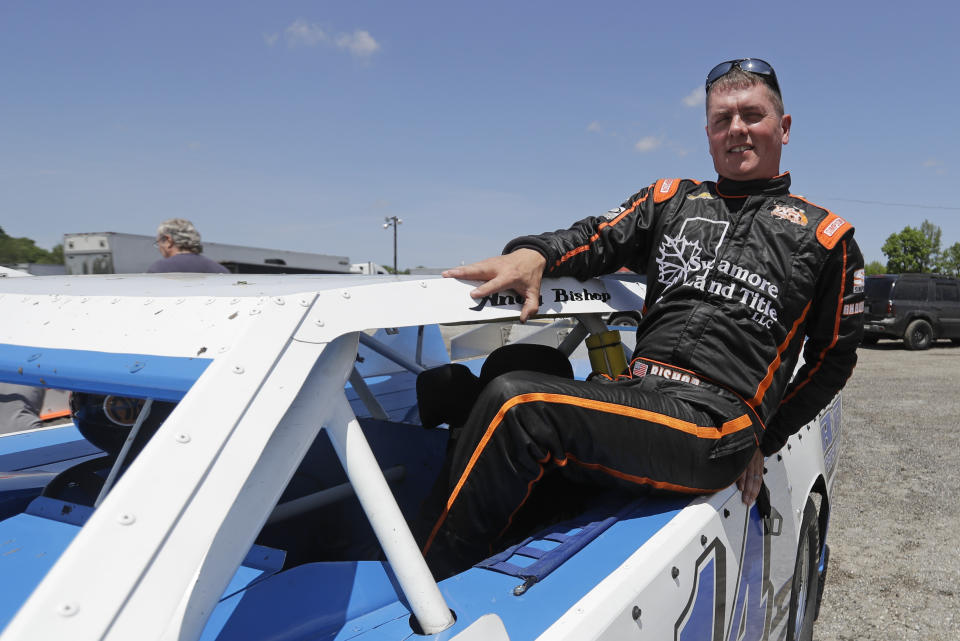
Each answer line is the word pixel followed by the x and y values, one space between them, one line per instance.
pixel 738 275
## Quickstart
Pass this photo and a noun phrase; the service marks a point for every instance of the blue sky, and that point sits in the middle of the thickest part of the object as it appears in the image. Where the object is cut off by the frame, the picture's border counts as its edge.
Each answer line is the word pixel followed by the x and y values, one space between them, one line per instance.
pixel 300 125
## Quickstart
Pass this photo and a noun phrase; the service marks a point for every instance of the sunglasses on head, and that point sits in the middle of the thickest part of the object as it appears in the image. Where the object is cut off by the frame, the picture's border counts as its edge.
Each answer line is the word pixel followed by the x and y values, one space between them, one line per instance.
pixel 752 65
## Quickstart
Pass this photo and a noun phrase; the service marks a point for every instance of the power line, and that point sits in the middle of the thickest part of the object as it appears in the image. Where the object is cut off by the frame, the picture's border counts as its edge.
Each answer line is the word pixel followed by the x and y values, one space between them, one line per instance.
pixel 888 204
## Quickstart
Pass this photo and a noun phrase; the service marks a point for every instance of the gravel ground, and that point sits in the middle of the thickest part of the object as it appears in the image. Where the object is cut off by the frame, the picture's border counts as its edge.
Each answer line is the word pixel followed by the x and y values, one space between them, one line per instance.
pixel 895 531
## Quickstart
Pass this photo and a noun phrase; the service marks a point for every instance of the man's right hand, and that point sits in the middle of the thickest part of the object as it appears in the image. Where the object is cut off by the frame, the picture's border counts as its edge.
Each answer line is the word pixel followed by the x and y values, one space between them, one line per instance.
pixel 520 270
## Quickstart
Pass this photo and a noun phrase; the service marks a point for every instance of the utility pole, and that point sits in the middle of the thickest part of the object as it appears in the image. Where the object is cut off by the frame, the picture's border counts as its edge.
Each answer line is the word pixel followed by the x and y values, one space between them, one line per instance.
pixel 393 221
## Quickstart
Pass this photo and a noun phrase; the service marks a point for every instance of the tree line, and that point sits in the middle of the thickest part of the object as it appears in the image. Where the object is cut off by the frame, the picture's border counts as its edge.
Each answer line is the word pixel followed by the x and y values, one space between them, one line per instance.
pixel 24 250
pixel 917 250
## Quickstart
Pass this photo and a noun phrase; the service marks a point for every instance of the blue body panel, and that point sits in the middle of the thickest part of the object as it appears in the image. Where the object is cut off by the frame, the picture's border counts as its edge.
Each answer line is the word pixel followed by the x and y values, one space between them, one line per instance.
pixel 360 599
pixel 48 450
pixel 31 542
pixel 165 378
pixel 311 601
pixel 24 441
pixel 529 615
pixel 29 546
pixel 29 461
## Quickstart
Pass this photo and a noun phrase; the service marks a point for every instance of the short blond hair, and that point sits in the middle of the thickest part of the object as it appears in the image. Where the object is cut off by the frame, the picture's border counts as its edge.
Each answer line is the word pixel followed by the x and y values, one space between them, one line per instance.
pixel 737 78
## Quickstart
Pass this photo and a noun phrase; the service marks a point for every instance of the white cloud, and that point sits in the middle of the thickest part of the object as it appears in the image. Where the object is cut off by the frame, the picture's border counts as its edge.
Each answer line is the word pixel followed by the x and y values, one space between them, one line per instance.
pixel 300 33
pixel 271 38
pixel 936 165
pixel 695 98
pixel 359 43
pixel 594 127
pixel 647 144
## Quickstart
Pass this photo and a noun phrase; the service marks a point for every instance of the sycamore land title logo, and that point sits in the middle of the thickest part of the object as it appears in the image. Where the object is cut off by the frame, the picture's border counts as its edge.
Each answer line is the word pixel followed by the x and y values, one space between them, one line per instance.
pixel 560 295
pixel 690 259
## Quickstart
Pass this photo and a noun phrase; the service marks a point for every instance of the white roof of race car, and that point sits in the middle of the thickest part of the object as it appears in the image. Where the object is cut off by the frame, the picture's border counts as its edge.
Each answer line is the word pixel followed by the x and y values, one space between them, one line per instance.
pixel 189 315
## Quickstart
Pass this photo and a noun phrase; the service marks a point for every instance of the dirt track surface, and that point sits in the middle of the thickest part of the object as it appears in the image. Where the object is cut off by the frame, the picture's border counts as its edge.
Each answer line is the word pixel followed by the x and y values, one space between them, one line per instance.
pixel 895 531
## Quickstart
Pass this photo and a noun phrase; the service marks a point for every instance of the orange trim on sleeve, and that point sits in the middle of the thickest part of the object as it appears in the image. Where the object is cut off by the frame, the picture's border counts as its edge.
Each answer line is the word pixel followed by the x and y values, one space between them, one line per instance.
pixel 706 432
pixel 836 329
pixel 582 248
pixel 665 189
pixel 775 363
pixel 831 229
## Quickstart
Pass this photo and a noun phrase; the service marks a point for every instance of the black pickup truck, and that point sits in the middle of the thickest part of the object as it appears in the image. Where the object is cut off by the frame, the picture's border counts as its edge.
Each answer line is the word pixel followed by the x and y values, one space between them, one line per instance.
pixel 918 308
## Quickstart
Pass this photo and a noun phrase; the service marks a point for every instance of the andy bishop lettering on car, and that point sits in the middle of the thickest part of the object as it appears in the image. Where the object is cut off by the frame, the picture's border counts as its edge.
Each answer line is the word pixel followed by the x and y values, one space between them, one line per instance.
pixel 742 275
pixel 559 296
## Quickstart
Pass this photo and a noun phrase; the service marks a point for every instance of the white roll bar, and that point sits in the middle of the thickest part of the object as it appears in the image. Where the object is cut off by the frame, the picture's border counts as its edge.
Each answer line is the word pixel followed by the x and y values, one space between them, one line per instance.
pixel 388 523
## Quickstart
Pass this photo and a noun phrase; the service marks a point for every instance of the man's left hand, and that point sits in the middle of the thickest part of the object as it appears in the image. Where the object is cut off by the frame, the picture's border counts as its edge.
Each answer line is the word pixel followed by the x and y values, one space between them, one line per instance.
pixel 751 479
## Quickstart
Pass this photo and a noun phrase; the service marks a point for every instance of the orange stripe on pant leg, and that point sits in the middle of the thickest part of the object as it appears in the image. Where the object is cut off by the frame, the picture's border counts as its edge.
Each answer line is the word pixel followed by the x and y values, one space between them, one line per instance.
pixel 543 462
pixel 641 480
pixel 494 424
pixel 708 432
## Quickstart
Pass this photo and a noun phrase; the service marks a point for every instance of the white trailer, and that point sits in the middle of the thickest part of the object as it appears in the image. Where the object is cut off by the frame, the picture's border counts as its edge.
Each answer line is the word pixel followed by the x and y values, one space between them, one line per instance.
pixel 116 253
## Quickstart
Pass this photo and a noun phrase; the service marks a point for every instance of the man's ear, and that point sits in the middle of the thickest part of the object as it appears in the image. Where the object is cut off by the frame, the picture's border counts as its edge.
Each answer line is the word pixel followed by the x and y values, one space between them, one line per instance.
pixel 785 122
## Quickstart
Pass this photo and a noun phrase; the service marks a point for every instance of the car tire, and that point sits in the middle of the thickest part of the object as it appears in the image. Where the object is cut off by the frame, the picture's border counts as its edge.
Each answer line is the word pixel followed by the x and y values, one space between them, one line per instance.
pixel 806 583
pixel 919 335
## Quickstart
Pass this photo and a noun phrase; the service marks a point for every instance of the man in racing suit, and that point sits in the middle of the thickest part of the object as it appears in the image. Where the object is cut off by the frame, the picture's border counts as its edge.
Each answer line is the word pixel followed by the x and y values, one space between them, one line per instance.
pixel 739 273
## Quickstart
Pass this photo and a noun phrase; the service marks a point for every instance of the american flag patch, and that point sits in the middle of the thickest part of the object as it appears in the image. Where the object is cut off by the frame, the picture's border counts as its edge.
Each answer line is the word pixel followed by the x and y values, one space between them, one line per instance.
pixel 639 369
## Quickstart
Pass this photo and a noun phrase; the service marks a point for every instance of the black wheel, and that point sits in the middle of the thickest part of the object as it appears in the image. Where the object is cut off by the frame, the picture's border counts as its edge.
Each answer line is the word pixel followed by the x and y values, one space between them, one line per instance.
pixel 919 335
pixel 806 584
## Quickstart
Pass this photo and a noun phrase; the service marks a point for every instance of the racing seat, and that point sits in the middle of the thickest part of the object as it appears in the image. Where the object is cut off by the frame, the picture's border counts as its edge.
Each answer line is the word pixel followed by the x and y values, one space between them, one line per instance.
pixel 446 394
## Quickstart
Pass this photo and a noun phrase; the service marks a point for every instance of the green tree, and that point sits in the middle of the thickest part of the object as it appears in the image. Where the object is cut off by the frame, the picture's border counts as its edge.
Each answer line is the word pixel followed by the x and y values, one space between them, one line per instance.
pixel 24 250
pixel 931 234
pixel 875 267
pixel 913 250
pixel 54 256
pixel 904 251
pixel 949 263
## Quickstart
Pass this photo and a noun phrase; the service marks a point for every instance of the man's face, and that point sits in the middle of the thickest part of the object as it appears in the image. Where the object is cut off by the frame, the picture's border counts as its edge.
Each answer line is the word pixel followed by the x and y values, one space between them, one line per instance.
pixel 165 246
pixel 745 133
